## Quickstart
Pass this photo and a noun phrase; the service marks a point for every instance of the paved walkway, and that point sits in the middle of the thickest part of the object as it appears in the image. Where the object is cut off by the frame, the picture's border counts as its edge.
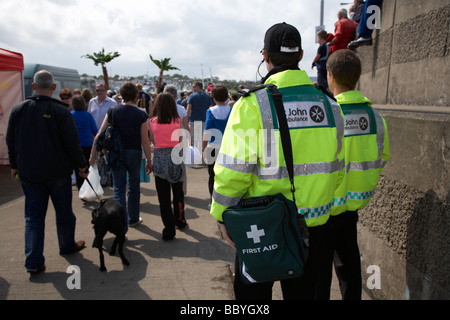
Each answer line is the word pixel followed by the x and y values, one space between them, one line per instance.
pixel 197 265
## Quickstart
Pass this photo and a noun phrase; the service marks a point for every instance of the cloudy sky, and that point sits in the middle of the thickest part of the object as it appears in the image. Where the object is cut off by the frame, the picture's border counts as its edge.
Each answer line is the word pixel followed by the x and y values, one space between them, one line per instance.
pixel 220 37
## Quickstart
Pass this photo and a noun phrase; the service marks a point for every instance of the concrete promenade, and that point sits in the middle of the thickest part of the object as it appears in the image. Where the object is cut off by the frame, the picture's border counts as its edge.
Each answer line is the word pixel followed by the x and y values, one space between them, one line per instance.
pixel 197 265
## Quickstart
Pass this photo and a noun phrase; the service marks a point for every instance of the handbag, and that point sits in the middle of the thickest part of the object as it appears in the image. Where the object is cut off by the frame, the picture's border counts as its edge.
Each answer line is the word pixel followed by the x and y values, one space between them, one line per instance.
pixel 271 238
pixel 109 140
pixel 105 140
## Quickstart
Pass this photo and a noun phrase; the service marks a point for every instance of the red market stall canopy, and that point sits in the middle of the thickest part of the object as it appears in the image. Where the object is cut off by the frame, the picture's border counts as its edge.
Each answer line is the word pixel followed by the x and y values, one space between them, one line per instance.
pixel 11 60
pixel 11 93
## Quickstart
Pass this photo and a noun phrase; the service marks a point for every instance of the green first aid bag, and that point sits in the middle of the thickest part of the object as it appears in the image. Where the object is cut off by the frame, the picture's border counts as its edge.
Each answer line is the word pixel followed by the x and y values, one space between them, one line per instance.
pixel 270 238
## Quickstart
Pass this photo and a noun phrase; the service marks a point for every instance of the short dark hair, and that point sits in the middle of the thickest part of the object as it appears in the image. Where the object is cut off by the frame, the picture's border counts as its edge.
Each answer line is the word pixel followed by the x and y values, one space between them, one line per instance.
pixel 165 109
pixel 284 58
pixel 345 66
pixel 220 93
pixel 128 92
pixel 78 103
pixel 198 84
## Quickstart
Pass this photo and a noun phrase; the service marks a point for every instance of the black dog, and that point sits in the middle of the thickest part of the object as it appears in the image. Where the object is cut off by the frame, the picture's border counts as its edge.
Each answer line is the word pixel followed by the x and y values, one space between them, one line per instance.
pixel 109 217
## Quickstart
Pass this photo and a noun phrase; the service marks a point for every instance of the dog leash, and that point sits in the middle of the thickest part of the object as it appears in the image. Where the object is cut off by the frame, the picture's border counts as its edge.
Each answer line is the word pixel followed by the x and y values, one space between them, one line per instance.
pixel 92 188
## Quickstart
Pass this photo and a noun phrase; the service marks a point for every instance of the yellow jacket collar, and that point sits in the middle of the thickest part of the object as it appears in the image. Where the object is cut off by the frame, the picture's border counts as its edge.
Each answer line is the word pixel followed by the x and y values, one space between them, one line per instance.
pixel 352 97
pixel 289 78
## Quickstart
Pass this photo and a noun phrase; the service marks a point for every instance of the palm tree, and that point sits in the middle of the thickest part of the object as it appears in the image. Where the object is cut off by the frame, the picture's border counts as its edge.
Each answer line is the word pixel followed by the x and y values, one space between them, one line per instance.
pixel 163 65
pixel 100 58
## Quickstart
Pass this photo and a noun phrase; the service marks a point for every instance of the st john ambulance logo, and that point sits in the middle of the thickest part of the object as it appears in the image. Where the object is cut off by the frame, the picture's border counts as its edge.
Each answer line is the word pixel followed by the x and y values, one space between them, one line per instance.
pixel 363 123
pixel 317 114
pixel 305 114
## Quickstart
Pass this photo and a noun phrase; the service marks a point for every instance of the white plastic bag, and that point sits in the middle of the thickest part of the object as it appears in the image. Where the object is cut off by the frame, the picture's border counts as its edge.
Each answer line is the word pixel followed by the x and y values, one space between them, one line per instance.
pixel 86 191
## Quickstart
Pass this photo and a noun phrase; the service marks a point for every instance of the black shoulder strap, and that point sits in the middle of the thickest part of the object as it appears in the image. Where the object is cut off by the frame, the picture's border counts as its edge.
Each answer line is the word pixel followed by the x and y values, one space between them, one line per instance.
pixel 326 92
pixel 284 134
pixel 246 93
pixel 288 156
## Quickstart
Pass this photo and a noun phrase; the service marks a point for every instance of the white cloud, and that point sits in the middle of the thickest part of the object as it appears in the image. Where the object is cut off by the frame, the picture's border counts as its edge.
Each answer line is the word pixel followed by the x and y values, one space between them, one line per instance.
pixel 223 36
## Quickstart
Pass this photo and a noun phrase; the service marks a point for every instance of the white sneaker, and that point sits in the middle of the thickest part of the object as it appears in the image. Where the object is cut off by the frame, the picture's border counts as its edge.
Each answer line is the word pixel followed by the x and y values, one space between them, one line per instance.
pixel 136 223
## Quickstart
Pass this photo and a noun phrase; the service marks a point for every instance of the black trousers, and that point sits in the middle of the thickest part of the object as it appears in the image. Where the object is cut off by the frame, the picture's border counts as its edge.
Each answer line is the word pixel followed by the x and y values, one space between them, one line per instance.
pixel 211 172
pixel 175 217
pixel 263 291
pixel 211 178
pixel 308 287
pixel 346 256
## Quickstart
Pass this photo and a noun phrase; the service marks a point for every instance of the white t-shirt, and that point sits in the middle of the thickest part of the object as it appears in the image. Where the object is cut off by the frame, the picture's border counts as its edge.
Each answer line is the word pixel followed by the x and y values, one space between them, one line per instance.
pixel 181 112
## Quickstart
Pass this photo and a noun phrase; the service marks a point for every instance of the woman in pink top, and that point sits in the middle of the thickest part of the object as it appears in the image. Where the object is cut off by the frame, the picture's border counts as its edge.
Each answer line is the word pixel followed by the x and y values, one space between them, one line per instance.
pixel 168 175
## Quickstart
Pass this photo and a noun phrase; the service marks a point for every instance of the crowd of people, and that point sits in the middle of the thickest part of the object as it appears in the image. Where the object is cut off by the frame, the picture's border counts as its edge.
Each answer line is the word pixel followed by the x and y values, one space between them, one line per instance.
pixel 143 120
pixel 62 135
pixel 351 31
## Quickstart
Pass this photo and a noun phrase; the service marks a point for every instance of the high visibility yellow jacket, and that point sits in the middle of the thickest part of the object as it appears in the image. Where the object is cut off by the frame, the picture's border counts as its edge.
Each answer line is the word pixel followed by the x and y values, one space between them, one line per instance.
pixel 366 146
pixel 251 162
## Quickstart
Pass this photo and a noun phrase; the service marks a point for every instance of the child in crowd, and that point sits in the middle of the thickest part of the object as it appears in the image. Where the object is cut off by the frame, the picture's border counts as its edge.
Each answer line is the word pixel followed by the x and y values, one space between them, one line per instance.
pixel 216 121
pixel 320 60
pixel 366 146
pixel 168 175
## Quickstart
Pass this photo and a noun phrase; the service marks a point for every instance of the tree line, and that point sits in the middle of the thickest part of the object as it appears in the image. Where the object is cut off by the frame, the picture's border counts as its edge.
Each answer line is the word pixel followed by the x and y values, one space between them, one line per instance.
pixel 101 58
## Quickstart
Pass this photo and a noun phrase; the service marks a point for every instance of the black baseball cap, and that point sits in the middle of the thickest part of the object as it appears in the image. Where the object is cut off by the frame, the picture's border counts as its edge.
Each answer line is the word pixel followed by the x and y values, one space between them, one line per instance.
pixel 282 37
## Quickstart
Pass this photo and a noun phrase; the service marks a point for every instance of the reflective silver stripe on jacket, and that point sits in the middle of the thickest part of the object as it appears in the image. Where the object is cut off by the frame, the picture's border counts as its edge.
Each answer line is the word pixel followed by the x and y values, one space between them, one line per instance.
pixel 224 200
pixel 302 169
pixel 262 97
pixel 276 173
pixel 366 165
pixel 234 164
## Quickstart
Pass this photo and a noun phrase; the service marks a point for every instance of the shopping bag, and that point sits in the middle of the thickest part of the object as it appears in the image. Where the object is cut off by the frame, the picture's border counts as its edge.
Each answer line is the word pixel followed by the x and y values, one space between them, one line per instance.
pixel 88 191
pixel 144 176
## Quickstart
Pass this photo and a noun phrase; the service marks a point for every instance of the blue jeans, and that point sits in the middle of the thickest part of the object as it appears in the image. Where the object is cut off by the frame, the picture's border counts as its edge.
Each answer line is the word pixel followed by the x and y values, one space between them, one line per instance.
pixel 363 30
pixel 322 78
pixel 132 167
pixel 36 203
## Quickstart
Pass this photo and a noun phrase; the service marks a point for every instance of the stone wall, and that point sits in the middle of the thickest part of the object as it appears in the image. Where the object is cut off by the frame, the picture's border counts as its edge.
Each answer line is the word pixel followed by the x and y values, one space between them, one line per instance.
pixel 405 230
pixel 408 63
